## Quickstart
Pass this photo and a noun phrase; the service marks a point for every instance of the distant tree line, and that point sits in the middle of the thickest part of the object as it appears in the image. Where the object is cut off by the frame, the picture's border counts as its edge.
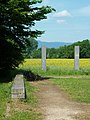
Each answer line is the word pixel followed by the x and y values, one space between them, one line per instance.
pixel 65 51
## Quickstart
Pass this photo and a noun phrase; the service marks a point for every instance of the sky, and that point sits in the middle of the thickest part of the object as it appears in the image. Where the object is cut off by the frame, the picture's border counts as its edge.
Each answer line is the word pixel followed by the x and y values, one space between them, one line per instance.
pixel 70 22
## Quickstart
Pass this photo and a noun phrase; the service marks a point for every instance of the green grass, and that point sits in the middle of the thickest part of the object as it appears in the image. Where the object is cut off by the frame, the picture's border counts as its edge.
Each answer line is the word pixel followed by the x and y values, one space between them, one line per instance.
pixel 77 88
pixel 26 116
pixel 56 71
pixel 4 98
pixel 30 97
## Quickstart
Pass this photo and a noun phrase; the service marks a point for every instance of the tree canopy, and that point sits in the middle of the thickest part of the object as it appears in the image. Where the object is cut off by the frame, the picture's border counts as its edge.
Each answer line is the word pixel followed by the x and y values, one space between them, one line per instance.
pixel 16 20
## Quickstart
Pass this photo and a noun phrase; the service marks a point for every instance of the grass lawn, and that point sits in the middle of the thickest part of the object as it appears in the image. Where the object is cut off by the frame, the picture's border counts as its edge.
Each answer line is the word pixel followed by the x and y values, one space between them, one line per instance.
pixel 76 88
pixel 4 98
pixel 25 116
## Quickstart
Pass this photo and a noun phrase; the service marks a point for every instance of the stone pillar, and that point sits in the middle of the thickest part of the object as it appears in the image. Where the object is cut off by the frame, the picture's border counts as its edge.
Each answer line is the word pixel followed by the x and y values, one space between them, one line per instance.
pixel 44 58
pixel 76 57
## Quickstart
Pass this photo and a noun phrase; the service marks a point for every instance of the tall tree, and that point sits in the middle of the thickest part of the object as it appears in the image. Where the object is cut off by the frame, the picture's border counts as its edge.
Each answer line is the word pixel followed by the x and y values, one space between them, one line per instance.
pixel 16 20
pixel 33 45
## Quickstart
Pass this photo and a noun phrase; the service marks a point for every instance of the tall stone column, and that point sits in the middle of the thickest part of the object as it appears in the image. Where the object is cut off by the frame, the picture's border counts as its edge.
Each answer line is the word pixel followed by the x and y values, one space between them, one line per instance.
pixel 76 57
pixel 44 58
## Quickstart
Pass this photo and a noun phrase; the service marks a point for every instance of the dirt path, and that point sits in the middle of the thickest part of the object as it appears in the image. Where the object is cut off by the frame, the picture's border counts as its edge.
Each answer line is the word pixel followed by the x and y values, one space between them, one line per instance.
pixel 84 76
pixel 56 106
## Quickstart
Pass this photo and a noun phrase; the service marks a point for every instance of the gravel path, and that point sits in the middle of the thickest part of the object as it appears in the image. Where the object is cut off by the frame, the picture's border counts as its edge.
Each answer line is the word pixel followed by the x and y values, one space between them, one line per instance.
pixel 55 105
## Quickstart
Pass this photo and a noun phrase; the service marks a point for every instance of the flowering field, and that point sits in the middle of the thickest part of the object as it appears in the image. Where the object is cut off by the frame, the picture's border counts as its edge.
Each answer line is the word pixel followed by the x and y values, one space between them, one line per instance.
pixel 57 66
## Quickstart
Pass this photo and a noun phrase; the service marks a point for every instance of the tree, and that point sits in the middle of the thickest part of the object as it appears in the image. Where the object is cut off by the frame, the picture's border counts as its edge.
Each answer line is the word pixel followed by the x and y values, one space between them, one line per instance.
pixel 33 45
pixel 36 53
pixel 85 49
pixel 16 20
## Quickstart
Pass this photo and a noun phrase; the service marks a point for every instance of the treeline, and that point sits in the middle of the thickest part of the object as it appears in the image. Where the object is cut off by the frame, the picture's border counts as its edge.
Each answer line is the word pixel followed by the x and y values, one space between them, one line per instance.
pixel 65 51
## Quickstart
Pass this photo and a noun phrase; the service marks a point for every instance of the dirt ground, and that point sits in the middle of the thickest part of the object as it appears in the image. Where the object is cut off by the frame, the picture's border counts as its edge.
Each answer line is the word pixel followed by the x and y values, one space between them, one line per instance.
pixel 55 105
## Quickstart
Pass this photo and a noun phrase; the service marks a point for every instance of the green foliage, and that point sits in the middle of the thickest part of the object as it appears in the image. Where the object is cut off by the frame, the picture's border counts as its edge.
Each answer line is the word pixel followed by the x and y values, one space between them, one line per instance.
pixel 77 88
pixel 8 58
pixel 16 20
pixel 33 44
pixel 36 53
pixel 84 49
pixel 66 51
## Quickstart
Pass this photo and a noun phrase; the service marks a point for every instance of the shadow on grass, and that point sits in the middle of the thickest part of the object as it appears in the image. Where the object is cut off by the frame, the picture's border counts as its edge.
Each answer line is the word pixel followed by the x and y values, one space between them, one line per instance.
pixel 29 75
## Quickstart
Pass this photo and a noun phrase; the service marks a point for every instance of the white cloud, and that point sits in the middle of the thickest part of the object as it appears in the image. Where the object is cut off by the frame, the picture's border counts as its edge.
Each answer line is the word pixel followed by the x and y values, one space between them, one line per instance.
pixel 84 11
pixel 63 13
pixel 61 21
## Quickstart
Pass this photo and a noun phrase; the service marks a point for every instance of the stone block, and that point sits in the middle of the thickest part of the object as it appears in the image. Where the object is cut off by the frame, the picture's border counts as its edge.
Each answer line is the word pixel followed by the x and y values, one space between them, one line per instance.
pixel 18 88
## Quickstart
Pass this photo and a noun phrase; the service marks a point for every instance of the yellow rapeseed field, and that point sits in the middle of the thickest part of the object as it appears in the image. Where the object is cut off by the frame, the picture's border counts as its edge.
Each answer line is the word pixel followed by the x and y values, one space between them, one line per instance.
pixel 56 67
pixel 55 62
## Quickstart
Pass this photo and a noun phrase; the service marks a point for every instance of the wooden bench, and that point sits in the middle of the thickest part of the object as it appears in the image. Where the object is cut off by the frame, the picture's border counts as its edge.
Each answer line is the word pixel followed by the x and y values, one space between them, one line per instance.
pixel 18 88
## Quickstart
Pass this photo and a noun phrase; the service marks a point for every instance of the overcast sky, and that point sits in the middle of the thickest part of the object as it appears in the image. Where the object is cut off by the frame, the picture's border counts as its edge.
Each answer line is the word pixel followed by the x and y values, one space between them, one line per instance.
pixel 70 22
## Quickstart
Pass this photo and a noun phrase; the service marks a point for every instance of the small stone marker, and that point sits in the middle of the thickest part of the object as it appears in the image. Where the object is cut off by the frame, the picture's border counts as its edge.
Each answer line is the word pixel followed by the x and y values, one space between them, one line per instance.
pixel 18 89
pixel 44 58
pixel 76 58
